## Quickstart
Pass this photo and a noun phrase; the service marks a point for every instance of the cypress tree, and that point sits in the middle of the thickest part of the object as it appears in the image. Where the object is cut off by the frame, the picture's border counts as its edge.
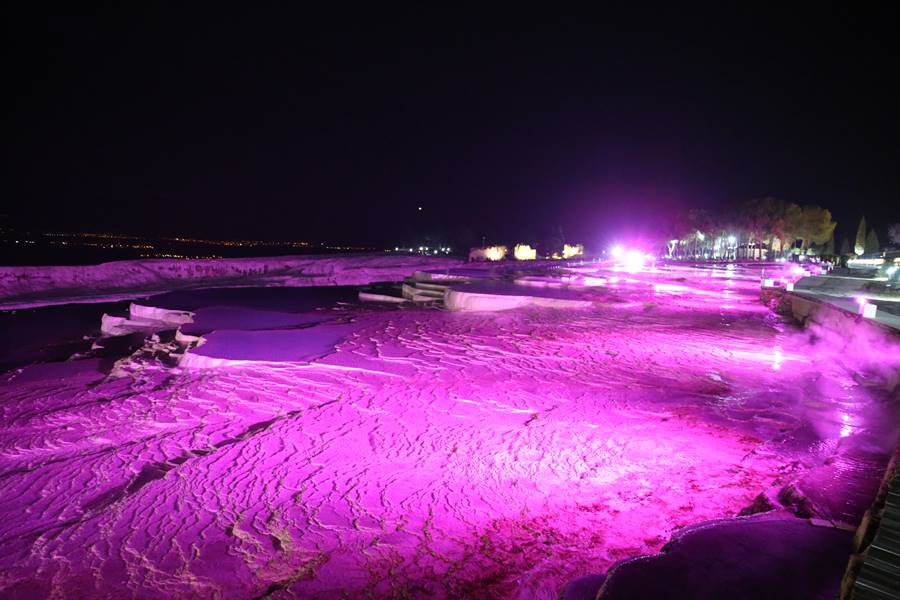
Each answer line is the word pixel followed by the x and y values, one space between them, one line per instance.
pixel 872 244
pixel 860 246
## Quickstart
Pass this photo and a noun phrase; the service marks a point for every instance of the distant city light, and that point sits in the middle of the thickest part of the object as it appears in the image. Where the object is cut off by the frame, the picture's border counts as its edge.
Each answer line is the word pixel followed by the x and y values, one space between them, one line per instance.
pixel 617 251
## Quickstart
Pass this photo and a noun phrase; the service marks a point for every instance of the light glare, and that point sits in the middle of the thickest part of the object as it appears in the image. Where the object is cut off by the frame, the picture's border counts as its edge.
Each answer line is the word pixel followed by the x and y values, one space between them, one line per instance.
pixel 524 252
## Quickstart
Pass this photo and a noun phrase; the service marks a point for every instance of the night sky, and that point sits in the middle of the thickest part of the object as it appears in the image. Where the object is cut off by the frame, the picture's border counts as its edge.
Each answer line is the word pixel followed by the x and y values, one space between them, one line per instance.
pixel 338 127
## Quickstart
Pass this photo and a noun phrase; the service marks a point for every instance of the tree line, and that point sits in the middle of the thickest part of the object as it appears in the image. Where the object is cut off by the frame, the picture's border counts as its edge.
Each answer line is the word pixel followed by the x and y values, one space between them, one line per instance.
pixel 764 228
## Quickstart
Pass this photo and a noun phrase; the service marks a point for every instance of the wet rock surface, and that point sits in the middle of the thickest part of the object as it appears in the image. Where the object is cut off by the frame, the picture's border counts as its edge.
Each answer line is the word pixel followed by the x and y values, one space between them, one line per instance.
pixel 779 558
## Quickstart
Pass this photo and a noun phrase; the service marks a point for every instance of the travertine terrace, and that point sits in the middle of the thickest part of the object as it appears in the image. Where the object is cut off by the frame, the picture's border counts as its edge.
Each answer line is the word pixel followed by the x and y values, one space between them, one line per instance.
pixel 431 453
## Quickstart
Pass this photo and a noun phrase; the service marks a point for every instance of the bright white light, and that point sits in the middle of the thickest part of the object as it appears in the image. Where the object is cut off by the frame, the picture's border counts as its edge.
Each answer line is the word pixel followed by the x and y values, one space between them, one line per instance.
pixel 777 359
pixel 617 251
pixel 865 262
pixel 495 252
pixel 524 252
pixel 571 251
pixel 633 260
pixel 846 427
pixel 669 287
pixel 867 309
pixel 731 240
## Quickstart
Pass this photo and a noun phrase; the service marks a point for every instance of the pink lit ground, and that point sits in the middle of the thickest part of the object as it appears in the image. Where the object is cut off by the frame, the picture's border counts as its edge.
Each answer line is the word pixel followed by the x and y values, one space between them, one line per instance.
pixel 433 453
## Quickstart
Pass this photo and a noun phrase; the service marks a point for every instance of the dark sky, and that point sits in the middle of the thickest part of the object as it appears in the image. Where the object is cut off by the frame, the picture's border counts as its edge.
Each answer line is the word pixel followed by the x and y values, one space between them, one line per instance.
pixel 289 125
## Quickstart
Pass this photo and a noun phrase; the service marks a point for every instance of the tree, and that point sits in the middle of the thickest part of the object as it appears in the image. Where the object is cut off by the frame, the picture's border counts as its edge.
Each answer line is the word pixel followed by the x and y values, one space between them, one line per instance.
pixel 872 244
pixel 676 229
pixel 860 246
pixel 894 233
pixel 845 247
pixel 701 222
pixel 788 225
pixel 814 225
pixel 757 219
pixel 759 225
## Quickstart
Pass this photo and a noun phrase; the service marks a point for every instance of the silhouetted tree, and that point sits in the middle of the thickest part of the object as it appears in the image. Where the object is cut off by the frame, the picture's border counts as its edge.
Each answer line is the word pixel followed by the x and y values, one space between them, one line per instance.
pixel 894 233
pixel 872 244
pixel 845 247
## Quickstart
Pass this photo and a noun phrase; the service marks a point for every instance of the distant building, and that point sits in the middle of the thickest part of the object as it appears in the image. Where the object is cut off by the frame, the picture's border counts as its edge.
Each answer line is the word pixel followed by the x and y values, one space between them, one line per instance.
pixel 491 253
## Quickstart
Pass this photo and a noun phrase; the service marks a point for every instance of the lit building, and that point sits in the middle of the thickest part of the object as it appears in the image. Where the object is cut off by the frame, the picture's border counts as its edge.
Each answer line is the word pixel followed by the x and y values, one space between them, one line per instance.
pixel 524 252
pixel 571 251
